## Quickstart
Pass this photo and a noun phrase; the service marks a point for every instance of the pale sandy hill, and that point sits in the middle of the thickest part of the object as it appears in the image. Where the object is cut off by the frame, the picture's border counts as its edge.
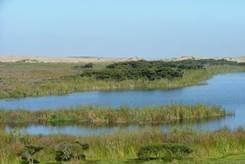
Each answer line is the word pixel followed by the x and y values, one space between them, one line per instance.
pixel 33 59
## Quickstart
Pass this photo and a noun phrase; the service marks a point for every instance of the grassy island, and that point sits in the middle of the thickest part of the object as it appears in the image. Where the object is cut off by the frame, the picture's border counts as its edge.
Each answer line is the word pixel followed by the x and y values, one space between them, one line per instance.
pixel 93 115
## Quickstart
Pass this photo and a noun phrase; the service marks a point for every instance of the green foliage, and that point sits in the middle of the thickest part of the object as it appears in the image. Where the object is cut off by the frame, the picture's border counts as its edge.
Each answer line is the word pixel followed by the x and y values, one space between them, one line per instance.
pixel 180 146
pixel 27 154
pixel 39 79
pixel 151 70
pixel 89 65
pixel 95 115
pixel 197 64
pixel 85 66
pixel 70 151
pixel 135 70
pixel 185 64
pixel 168 151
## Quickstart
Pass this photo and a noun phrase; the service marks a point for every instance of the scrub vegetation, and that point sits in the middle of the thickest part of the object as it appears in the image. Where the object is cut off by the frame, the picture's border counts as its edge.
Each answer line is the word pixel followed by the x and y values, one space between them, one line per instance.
pixel 110 116
pixel 150 70
pixel 37 79
pixel 146 146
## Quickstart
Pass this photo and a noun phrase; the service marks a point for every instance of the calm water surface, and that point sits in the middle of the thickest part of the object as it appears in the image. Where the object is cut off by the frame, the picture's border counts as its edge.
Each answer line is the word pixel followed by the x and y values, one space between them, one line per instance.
pixel 226 90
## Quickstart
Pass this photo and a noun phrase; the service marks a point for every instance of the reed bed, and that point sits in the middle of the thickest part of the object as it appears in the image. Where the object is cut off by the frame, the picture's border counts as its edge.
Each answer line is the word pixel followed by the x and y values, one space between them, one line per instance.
pixel 95 115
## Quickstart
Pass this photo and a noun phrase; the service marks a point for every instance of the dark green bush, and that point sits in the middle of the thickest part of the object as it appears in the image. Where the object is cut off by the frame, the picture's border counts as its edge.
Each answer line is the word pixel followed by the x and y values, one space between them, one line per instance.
pixel 151 70
pixel 165 152
pixel 84 66
pixel 27 154
pixel 134 71
pixel 70 151
pixel 89 65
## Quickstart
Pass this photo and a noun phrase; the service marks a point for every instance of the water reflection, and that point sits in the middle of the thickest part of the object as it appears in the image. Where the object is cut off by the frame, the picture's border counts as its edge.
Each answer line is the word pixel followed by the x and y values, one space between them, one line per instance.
pixel 76 130
pixel 227 91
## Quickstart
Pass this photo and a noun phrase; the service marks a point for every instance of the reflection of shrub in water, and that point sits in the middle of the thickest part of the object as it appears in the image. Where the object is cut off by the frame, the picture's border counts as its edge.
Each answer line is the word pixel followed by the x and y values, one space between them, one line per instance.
pixel 70 151
pixel 165 152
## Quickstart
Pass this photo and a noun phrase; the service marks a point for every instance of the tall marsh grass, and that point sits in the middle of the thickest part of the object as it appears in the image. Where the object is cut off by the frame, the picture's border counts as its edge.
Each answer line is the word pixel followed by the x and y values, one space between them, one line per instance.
pixel 94 115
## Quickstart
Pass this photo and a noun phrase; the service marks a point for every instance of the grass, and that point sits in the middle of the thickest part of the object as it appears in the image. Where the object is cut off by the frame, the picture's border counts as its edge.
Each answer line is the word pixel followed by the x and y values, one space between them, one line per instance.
pixel 208 147
pixel 26 79
pixel 119 147
pixel 94 115
pixel 38 79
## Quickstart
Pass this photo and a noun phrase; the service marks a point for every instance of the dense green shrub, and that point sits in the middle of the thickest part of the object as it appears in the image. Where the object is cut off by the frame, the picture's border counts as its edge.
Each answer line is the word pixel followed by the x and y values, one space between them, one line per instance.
pixel 27 154
pixel 70 151
pixel 151 70
pixel 84 66
pixel 89 65
pixel 135 70
pixel 186 64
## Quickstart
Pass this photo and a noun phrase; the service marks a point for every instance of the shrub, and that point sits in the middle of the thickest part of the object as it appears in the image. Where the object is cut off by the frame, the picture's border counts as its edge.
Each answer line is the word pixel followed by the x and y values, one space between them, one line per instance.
pixel 89 65
pixel 84 66
pixel 28 152
pixel 165 152
pixel 137 70
pixel 70 151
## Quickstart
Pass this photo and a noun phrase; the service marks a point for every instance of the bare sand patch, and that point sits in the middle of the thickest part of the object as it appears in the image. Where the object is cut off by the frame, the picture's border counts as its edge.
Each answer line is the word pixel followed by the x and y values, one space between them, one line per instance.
pixel 34 59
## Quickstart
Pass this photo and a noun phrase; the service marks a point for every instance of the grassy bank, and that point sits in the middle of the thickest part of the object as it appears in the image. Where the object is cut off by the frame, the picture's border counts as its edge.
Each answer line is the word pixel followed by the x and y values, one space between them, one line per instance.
pixel 26 79
pixel 207 147
pixel 93 115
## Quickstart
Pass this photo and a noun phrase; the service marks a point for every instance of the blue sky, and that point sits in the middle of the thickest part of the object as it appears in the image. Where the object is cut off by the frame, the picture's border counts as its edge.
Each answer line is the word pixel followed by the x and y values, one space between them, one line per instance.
pixel 145 28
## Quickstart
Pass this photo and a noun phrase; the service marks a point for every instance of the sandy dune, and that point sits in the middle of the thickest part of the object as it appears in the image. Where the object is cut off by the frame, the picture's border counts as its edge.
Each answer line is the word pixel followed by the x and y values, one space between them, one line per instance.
pixel 33 59
pixel 240 59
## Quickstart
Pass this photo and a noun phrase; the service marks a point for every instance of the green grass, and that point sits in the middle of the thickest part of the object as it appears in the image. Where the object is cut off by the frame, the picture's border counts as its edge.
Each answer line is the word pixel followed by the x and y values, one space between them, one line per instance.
pixel 208 147
pixel 94 115
pixel 121 146
pixel 27 79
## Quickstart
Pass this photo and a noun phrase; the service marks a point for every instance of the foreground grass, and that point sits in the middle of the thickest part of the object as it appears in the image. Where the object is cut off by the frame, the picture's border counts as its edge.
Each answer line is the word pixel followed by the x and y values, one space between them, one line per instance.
pixel 26 79
pixel 94 115
pixel 208 147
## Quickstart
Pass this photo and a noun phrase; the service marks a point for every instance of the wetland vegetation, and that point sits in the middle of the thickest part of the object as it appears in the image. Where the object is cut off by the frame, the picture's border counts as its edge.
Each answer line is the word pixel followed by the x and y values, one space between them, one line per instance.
pixel 38 79
pixel 99 116
pixel 150 145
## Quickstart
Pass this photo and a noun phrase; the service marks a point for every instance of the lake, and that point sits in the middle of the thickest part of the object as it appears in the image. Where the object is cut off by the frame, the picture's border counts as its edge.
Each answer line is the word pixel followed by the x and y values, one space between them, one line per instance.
pixel 226 90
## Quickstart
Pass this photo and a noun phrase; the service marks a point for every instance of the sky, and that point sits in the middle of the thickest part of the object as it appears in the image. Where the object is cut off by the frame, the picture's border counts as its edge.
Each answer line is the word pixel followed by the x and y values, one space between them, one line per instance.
pixel 122 28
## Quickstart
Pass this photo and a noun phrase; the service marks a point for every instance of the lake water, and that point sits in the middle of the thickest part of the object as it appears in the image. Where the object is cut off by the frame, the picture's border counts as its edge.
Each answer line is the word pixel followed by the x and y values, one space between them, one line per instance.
pixel 226 90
